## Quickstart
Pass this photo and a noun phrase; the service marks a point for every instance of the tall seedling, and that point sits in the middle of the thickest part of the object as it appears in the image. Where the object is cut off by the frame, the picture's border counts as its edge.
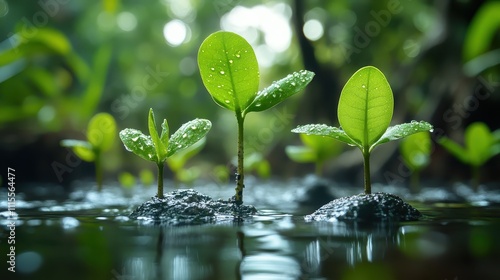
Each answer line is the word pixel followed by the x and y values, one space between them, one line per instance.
pixel 230 72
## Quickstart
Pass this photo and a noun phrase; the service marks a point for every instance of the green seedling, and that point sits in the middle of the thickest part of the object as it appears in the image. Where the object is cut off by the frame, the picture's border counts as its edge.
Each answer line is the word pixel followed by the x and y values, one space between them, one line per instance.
pixel 230 72
pixel 101 134
pixel 416 151
pixel 316 149
pixel 127 180
pixel 146 177
pixel 158 147
pixel 365 111
pixel 480 145
pixel 177 163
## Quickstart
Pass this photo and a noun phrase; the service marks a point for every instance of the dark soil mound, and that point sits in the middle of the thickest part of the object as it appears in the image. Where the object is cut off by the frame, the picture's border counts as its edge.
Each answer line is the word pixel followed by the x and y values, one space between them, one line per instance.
pixel 362 207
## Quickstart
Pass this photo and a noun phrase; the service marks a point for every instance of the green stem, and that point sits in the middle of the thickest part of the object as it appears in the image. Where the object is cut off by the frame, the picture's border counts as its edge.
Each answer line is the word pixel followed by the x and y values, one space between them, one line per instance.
pixel 160 179
pixel 319 168
pixel 366 164
pixel 98 170
pixel 239 171
pixel 415 181
pixel 475 177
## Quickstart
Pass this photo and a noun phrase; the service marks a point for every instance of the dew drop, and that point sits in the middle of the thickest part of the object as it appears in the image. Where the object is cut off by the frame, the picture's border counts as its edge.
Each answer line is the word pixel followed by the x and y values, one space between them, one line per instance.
pixel 213 69
pixel 274 95
pixel 193 127
pixel 179 146
pixel 184 135
pixel 135 138
pixel 222 72
pixel 431 130
pixel 238 55
pixel 227 101
pixel 293 83
pixel 258 105
pixel 230 61
pixel 363 86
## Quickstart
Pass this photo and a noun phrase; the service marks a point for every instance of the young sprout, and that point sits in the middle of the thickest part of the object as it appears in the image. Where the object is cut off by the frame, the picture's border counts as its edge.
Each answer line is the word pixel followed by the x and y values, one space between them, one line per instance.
pixel 480 145
pixel 230 72
pixel 365 110
pixel 158 147
pixel 316 149
pixel 101 134
pixel 416 150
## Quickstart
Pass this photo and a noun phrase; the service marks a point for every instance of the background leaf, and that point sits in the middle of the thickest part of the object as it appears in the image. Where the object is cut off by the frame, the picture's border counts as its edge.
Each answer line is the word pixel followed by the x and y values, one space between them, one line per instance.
pixel 324 130
pixel 482 30
pixel 101 131
pixel 453 148
pixel 478 143
pixel 188 134
pixel 139 144
pixel 366 105
pixel 280 90
pixel 416 150
pixel 177 161
pixel 229 69
pixel 82 149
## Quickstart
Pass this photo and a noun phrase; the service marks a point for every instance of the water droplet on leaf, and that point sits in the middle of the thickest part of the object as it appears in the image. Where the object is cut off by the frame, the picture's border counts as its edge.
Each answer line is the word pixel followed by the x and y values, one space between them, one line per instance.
pixel 222 72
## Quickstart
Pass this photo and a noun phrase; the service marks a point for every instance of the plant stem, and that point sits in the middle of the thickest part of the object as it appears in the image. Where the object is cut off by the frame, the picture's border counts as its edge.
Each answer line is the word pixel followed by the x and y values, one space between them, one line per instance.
pixel 415 181
pixel 160 180
pixel 475 177
pixel 98 170
pixel 319 169
pixel 366 164
pixel 239 171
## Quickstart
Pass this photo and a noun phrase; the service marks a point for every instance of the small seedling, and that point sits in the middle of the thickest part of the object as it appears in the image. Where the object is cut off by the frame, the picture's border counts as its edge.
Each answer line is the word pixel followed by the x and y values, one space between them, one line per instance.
pixel 101 134
pixel 230 72
pixel 365 110
pixel 157 148
pixel 416 150
pixel 177 163
pixel 480 145
pixel 316 149
pixel 256 162
pixel 127 180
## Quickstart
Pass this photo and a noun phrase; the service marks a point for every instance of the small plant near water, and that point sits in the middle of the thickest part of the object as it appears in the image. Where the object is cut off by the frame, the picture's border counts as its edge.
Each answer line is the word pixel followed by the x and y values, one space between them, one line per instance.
pixel 416 151
pixel 480 145
pixel 230 72
pixel 365 111
pixel 158 147
pixel 316 149
pixel 101 135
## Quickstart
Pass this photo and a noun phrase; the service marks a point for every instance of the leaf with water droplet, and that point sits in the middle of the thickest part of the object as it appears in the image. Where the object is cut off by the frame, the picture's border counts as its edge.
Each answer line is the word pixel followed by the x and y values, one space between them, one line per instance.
pixel 280 90
pixel 366 114
pixel 241 76
pixel 138 143
pixel 401 131
pixel 161 149
pixel 188 134
pixel 325 130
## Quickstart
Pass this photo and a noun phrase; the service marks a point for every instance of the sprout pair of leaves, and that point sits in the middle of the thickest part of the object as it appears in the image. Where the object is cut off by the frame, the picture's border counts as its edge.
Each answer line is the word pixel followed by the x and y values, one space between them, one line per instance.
pixel 316 149
pixel 480 145
pixel 101 135
pixel 230 72
pixel 416 150
pixel 158 147
pixel 365 111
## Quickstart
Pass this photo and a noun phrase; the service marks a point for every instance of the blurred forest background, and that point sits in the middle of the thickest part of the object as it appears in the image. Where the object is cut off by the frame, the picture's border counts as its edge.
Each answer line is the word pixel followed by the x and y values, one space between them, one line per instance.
pixel 62 61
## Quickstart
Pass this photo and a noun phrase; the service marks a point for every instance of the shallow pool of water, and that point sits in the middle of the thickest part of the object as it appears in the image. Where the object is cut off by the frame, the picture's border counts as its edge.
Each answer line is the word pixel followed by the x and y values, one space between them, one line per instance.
pixel 87 235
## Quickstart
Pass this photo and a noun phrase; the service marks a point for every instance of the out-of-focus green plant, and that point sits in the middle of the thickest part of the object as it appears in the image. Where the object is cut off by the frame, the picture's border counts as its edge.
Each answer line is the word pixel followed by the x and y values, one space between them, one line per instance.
pixel 316 149
pixel 480 145
pixel 255 162
pixel 365 111
pixel 127 180
pixel 101 134
pixel 158 147
pixel 230 72
pixel 147 177
pixel 416 151
pixel 38 80
pixel 177 163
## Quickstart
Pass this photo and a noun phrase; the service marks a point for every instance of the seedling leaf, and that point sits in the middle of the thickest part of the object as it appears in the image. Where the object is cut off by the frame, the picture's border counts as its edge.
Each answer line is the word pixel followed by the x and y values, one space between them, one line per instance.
pixel 188 134
pixel 366 105
pixel 280 90
pixel 229 70
pixel 161 150
pixel 101 131
pixel 478 142
pixel 164 137
pixel 399 131
pixel 325 130
pixel 300 153
pixel 456 150
pixel 138 143
pixel 177 161
pixel 82 149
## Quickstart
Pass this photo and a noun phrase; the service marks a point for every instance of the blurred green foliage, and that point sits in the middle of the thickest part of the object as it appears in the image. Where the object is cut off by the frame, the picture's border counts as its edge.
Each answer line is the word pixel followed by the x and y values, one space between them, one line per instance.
pixel 416 152
pixel 63 61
